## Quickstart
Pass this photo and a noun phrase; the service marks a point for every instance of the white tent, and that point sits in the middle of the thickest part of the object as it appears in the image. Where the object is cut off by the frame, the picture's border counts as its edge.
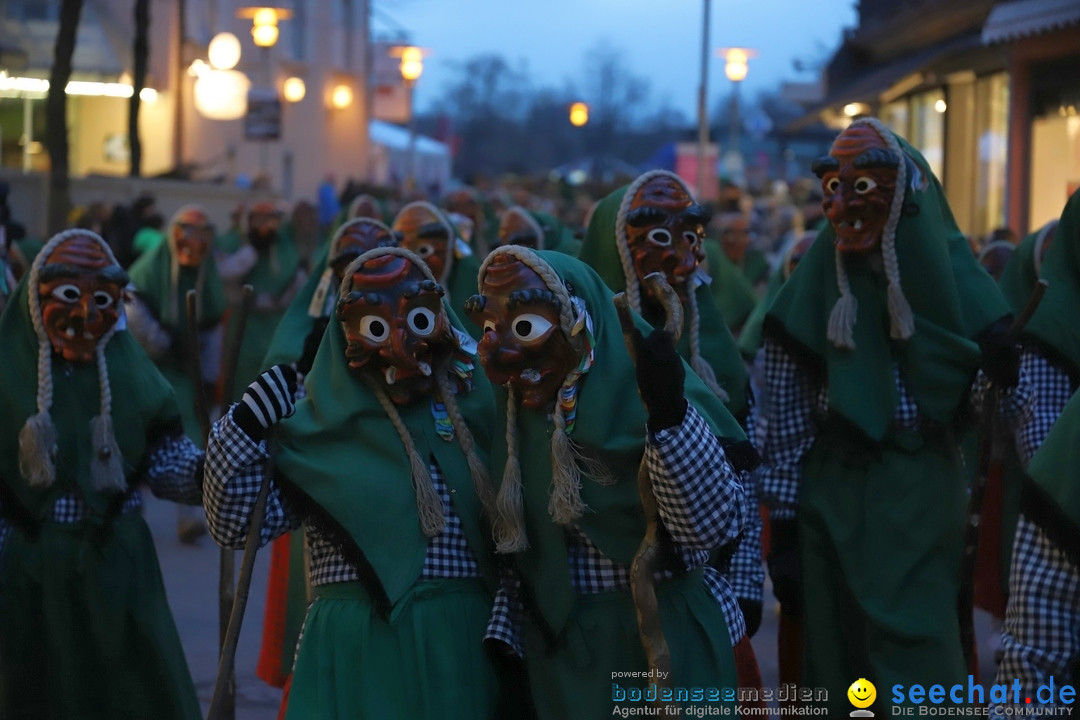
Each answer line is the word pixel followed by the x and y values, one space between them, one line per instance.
pixel 390 157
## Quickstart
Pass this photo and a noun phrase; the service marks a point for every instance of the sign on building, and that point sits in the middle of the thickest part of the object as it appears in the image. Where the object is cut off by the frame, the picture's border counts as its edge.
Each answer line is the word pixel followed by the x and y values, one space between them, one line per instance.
pixel 263 118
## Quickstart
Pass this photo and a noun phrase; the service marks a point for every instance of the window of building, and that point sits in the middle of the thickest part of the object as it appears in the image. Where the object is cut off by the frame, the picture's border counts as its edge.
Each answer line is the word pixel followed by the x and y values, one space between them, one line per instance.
pixel 32 10
pixel 928 128
pixel 991 136
pixel 895 117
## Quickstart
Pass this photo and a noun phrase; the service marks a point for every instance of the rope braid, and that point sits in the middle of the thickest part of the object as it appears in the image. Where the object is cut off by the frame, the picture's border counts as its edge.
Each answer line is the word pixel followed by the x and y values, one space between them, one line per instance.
pixel 37 438
pixel 509 514
pixel 901 318
pixel 477 468
pixel 633 285
pixel 451 234
pixel 429 506
pixel 565 504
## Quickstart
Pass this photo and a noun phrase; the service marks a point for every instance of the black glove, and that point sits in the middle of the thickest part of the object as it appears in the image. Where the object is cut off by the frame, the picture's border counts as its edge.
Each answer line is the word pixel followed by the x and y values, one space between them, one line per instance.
pixel 1000 357
pixel 785 568
pixel 266 401
pixel 660 378
pixel 751 611
pixel 311 346
pixel 514 699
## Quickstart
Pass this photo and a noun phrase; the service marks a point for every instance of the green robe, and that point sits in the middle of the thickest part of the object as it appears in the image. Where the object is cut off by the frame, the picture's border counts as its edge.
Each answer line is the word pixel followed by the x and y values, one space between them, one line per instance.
pixel 391 645
pixel 152 276
pixel 85 626
pixel 572 641
pixel 733 293
pixel 882 512
pixel 274 273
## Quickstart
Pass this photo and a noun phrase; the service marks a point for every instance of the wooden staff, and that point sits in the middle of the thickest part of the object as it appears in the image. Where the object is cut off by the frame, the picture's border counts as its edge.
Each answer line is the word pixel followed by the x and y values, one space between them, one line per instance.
pixel 226 700
pixel 647 560
pixel 990 454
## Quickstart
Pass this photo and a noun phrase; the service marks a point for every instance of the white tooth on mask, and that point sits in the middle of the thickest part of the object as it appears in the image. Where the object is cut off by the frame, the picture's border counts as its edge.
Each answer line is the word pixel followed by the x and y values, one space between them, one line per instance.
pixel 390 374
pixel 425 369
pixel 87 336
pixel 858 224
pixel 70 332
pixel 531 376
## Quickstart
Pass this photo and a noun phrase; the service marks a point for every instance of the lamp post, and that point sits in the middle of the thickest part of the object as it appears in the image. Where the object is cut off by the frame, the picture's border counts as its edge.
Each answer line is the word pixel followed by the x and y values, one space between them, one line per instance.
pixel 264 32
pixel 412 66
pixel 703 113
pixel 735 68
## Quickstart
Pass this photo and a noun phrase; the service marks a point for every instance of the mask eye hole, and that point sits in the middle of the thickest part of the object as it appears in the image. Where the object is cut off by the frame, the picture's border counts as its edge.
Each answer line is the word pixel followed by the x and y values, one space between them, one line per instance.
pixel 374 328
pixel 832 184
pixel 421 321
pixel 424 250
pixel 864 185
pixel 102 299
pixel 691 237
pixel 530 327
pixel 67 293
pixel 659 236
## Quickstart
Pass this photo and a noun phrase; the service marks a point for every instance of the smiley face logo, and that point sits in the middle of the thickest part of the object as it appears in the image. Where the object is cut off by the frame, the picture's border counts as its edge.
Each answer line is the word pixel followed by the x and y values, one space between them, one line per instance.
pixel 862 693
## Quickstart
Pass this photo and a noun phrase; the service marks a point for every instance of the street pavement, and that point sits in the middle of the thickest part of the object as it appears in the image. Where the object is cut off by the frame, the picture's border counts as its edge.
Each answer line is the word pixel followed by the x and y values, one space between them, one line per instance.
pixel 191 577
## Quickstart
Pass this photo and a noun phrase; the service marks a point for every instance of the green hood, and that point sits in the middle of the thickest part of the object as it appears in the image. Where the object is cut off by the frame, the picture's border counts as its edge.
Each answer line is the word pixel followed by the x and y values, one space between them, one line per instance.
pixel 951 297
pixel 600 250
pixel 344 463
pixel 609 426
pixel 1019 277
pixel 1053 500
pixel 143 407
pixel 275 269
pixel 731 291
pixel 750 337
pixel 164 285
pixel 1053 326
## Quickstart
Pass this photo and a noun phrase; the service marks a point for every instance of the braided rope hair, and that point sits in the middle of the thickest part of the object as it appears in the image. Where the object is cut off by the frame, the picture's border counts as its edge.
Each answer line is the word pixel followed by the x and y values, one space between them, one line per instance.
pixel 633 284
pixel 37 438
pixel 564 504
pixel 451 234
pixel 901 319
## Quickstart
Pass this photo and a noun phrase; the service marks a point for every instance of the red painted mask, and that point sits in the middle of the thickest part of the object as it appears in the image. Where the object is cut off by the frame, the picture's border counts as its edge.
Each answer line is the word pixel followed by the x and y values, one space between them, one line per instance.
pixel 858 179
pixel 664 231
pixel 425 233
pixel 462 202
pixel 191 236
pixel 395 327
pixel 523 345
pixel 365 206
pixel 80 294
pixel 519 228
pixel 356 239
pixel 735 237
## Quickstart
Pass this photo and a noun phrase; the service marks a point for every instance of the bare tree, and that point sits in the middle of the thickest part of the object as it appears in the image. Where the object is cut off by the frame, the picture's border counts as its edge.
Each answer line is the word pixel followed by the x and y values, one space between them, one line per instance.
pixel 56 116
pixel 142 24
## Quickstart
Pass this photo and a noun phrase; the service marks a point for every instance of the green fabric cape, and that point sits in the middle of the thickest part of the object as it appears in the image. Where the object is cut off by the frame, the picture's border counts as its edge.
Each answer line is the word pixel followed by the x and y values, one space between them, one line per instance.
pixel 288 343
pixel 556 235
pixel 951 296
pixel 755 266
pixel 1054 501
pixel 1019 278
pixel 750 337
pixel 152 276
pixel 732 292
pixel 610 426
pixel 718 348
pixel 343 461
pixel 1053 326
pixel 265 277
pixel 143 407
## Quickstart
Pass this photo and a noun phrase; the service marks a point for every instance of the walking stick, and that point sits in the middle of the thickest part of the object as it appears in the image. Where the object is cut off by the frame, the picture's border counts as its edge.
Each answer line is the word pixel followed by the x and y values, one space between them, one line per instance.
pixel 647 560
pixel 226 698
pixel 990 454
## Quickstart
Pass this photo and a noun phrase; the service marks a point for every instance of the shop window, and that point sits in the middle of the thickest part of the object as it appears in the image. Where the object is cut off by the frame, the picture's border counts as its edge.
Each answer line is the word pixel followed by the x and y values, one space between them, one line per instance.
pixel 895 117
pixel 992 135
pixel 928 128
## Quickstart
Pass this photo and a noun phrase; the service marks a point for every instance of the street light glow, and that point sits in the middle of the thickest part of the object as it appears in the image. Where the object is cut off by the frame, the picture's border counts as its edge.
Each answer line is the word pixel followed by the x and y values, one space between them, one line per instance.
pixel 294 89
pixel 264 20
pixel 412 63
pixel 341 97
pixel 579 114
pixel 736 62
pixel 224 51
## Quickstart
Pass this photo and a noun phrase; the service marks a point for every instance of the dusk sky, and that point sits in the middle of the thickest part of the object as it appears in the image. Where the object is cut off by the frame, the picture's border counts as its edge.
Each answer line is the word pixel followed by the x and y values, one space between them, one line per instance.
pixel 660 39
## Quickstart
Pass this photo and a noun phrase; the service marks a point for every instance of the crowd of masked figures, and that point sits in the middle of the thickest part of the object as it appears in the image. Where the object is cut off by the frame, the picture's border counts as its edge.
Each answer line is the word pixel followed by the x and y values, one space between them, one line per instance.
pixel 520 459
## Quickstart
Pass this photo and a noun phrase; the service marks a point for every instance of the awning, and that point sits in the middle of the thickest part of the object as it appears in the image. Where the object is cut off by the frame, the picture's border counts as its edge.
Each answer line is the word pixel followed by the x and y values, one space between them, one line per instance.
pixel 870 85
pixel 1021 18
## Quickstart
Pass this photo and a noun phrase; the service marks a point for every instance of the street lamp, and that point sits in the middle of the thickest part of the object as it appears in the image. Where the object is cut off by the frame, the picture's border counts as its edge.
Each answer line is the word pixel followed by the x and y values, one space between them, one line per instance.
pixel 735 68
pixel 412 67
pixel 264 31
pixel 579 114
